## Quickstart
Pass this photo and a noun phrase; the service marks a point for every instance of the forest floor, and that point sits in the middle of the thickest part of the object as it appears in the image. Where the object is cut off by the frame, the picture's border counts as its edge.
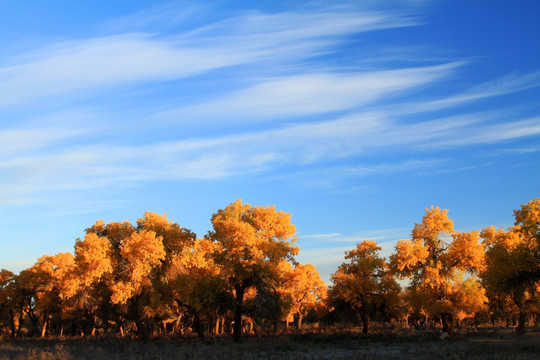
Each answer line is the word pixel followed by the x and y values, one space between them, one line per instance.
pixel 470 344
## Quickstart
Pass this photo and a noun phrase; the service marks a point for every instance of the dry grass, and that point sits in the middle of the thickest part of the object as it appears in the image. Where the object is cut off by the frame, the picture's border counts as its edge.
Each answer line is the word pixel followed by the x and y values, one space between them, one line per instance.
pixel 487 344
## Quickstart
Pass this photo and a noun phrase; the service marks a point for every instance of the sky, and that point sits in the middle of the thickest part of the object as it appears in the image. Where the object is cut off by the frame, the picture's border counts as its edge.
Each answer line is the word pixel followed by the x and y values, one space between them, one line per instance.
pixel 353 116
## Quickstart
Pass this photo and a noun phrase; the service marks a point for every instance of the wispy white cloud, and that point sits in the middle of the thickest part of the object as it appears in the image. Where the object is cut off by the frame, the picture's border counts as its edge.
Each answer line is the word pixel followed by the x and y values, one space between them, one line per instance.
pixel 309 94
pixel 290 27
pixel 454 169
pixel 378 235
pixel 281 81
pixel 347 179
pixel 219 157
pixel 328 252
pixel 326 260
pixel 385 168
pixel 111 61
pixel 352 190
pixel 15 140
pixel 457 131
pixel 320 236
pixel 497 132
pixel 517 150
pixel 161 16
pixel 327 255
pixel 103 62
pixel 508 84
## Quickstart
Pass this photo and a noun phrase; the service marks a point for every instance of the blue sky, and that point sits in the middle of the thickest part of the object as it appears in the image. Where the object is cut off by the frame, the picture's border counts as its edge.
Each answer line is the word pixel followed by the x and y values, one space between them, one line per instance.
pixel 353 116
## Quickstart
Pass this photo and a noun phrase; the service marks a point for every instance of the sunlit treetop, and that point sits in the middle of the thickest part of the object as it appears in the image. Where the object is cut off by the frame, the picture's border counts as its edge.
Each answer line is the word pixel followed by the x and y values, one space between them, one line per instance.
pixel 250 235
pixel 435 224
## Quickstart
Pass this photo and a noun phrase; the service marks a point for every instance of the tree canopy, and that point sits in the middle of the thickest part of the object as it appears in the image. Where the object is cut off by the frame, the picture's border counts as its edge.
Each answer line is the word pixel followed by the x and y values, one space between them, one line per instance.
pixel 156 277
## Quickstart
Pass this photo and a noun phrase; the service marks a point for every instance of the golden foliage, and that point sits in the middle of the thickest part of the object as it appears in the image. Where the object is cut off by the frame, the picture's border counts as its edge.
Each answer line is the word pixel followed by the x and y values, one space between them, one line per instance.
pixel 435 263
pixel 93 258
pixel 466 252
pixel 252 239
pixel 141 252
pixel 528 220
pixel 435 224
pixel 304 286
pixel 408 257
pixel 252 243
pixel 365 283
pixel 157 271
pixel 513 262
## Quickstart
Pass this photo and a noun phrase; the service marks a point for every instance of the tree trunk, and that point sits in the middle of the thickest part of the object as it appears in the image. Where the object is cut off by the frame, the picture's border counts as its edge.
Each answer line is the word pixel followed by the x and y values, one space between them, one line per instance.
pixel 12 323
pixel 224 325
pixel 20 319
pixel 163 330
pixel 176 324
pixel 34 325
pixel 237 329
pixel 142 329
pixel 520 329
pixel 216 326
pixel 20 325
pixel 447 323
pixel 299 321
pixel 44 327
pixel 199 328
pixel 365 322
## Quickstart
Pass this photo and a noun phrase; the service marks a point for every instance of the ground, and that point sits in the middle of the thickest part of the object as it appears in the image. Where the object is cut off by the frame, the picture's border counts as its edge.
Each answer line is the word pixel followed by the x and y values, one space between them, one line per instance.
pixel 477 344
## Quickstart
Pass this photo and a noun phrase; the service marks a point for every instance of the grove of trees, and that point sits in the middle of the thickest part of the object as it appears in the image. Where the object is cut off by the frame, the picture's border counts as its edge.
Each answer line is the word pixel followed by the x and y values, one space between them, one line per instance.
pixel 156 278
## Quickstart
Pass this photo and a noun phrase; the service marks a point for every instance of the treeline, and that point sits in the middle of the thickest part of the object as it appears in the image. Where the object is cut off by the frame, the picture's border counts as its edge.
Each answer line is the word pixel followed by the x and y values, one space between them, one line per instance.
pixel 155 278
pixel 478 277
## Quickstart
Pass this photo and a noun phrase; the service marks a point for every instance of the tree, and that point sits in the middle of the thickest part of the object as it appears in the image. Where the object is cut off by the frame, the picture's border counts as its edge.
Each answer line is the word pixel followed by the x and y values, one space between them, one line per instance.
pixel 140 253
pixel 178 245
pixel 37 289
pixel 176 239
pixel 364 283
pixel 52 272
pixel 436 260
pixel 8 300
pixel 252 242
pixel 513 262
pixel 86 287
pixel 30 283
pixel 196 285
pixel 527 225
pixel 305 288
pixel 120 267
